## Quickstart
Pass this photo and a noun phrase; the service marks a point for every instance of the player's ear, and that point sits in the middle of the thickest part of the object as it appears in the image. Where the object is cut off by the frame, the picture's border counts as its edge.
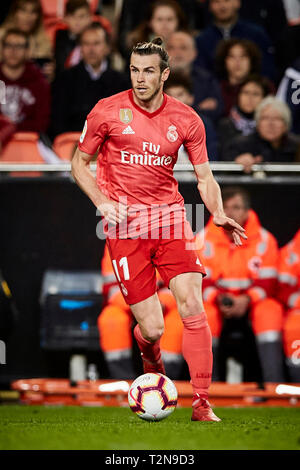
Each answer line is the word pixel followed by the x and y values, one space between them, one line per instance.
pixel 165 74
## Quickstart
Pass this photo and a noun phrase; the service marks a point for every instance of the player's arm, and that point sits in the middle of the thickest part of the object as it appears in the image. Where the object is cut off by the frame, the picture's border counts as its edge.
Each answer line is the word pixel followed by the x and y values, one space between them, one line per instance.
pixel 112 211
pixel 211 196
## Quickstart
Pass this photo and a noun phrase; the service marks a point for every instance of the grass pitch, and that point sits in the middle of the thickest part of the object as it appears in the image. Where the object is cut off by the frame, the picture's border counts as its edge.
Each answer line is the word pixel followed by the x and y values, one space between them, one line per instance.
pixel 37 427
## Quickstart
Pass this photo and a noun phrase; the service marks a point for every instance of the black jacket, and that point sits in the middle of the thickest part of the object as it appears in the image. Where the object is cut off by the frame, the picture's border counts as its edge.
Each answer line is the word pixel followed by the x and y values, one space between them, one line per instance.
pixel 254 144
pixel 74 94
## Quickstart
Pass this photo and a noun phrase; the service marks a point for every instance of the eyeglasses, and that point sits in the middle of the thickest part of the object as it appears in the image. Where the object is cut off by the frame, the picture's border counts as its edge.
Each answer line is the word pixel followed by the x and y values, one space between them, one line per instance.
pixel 10 45
pixel 271 119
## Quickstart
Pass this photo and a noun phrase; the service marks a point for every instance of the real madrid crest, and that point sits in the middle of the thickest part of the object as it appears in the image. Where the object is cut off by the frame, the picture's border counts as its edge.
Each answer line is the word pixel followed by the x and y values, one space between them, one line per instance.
pixel 126 115
pixel 172 134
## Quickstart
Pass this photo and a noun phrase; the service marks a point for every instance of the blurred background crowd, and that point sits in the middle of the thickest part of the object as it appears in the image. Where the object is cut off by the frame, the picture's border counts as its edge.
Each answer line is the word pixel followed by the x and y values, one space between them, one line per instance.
pixel 236 62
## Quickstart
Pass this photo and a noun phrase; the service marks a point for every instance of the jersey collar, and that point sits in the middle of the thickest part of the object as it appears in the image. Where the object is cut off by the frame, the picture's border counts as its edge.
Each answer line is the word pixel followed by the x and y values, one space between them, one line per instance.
pixel 143 111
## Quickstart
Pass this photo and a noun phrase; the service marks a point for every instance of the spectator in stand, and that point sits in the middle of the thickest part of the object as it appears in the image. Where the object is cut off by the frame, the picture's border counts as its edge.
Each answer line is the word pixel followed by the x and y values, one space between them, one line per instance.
pixel 289 294
pixel 134 12
pixel 269 14
pixel 241 117
pixel 227 24
pixel 164 17
pixel 27 16
pixel 235 60
pixel 180 87
pixel 271 142
pixel 77 17
pixel 289 92
pixel 78 89
pixel 182 50
pixel 240 284
pixel 27 104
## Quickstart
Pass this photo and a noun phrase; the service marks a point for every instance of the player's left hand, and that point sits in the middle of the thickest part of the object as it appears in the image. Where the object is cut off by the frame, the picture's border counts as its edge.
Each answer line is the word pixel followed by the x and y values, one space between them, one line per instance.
pixel 231 226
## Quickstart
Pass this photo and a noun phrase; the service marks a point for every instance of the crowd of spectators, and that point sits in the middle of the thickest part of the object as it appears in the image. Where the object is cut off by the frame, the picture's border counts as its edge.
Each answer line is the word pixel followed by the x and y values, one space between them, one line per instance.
pixel 226 56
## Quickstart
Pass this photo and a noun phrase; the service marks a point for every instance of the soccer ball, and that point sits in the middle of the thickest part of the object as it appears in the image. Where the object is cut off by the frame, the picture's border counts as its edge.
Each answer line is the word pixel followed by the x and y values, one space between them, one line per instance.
pixel 152 397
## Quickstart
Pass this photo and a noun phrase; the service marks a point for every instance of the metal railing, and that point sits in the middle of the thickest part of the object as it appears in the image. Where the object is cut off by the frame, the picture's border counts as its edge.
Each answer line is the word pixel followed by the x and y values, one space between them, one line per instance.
pixel 215 166
pixel 271 172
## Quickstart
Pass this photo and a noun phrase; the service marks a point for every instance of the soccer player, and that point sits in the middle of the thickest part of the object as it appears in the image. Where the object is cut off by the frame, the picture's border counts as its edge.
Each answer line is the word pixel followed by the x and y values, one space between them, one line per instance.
pixel 138 133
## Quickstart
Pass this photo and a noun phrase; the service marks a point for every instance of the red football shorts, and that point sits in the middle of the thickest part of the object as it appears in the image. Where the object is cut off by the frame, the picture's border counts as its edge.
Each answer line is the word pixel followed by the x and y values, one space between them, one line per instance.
pixel 134 262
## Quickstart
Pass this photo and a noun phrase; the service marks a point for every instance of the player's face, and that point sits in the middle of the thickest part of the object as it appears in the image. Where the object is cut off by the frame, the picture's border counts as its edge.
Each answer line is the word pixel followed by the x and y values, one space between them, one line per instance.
pixel 181 49
pixel 224 10
pixel 271 125
pixel 146 78
pixel 94 48
pixel 235 209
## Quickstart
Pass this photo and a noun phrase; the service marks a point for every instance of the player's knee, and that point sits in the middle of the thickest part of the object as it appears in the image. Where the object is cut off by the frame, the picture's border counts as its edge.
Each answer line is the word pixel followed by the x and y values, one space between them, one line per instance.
pixel 154 333
pixel 191 305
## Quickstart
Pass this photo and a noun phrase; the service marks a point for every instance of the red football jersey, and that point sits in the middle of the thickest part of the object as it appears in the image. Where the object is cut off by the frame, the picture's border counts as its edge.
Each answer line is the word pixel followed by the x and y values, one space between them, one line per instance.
pixel 138 150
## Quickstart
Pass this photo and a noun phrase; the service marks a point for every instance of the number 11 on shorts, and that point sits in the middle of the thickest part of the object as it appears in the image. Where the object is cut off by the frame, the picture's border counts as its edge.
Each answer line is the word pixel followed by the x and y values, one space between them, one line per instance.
pixel 123 263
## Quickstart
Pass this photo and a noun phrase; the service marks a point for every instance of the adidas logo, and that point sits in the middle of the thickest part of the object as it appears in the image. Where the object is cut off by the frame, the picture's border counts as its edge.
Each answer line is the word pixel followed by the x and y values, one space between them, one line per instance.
pixel 128 130
pixel 198 262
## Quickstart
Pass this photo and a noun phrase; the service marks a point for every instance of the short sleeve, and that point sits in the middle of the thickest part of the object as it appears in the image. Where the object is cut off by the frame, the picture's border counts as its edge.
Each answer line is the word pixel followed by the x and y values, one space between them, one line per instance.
pixel 195 142
pixel 94 130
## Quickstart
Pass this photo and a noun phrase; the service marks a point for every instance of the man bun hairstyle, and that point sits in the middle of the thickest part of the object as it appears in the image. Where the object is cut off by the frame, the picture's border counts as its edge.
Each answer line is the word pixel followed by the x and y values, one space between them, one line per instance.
pixel 153 47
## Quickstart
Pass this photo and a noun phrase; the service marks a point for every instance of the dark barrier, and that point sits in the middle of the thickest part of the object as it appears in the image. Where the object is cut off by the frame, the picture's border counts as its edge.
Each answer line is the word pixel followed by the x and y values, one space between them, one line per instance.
pixel 49 223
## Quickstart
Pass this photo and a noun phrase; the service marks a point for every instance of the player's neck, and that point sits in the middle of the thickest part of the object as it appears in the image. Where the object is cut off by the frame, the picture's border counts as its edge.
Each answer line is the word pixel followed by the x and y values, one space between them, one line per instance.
pixel 151 106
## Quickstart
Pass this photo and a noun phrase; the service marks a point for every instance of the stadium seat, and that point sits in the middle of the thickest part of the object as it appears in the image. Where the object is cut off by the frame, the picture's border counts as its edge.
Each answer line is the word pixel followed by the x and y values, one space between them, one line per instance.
pixel 22 148
pixel 52 24
pixel 64 144
pixel 56 8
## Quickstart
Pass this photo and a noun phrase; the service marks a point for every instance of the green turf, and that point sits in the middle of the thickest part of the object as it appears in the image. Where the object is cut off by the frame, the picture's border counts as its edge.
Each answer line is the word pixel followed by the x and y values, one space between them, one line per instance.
pixel 33 427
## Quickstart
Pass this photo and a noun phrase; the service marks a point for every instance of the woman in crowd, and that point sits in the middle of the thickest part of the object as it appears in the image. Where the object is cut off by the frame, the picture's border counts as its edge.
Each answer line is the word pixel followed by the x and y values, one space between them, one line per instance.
pixel 241 117
pixel 27 16
pixel 271 142
pixel 235 60
pixel 164 17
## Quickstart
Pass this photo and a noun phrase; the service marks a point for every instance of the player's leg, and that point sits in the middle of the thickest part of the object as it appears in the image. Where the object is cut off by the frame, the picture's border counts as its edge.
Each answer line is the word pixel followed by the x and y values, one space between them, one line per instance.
pixel 197 340
pixel 171 343
pixel 148 313
pixel 136 276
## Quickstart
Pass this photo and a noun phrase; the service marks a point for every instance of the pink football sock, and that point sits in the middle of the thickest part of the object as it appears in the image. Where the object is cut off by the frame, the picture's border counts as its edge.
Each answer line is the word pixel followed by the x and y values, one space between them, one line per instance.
pixel 197 351
pixel 151 351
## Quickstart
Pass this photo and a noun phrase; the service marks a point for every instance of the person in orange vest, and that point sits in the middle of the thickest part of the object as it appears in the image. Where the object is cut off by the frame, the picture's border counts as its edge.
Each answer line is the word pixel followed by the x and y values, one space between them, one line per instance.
pixel 116 317
pixel 241 280
pixel 289 294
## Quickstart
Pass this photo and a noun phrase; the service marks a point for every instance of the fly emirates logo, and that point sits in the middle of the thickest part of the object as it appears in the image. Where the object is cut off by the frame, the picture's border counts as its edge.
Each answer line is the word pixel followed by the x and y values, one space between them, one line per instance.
pixel 149 157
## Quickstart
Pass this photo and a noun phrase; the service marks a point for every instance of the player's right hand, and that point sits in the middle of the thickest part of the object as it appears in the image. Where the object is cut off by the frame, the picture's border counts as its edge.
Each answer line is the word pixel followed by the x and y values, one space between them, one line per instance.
pixel 112 211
